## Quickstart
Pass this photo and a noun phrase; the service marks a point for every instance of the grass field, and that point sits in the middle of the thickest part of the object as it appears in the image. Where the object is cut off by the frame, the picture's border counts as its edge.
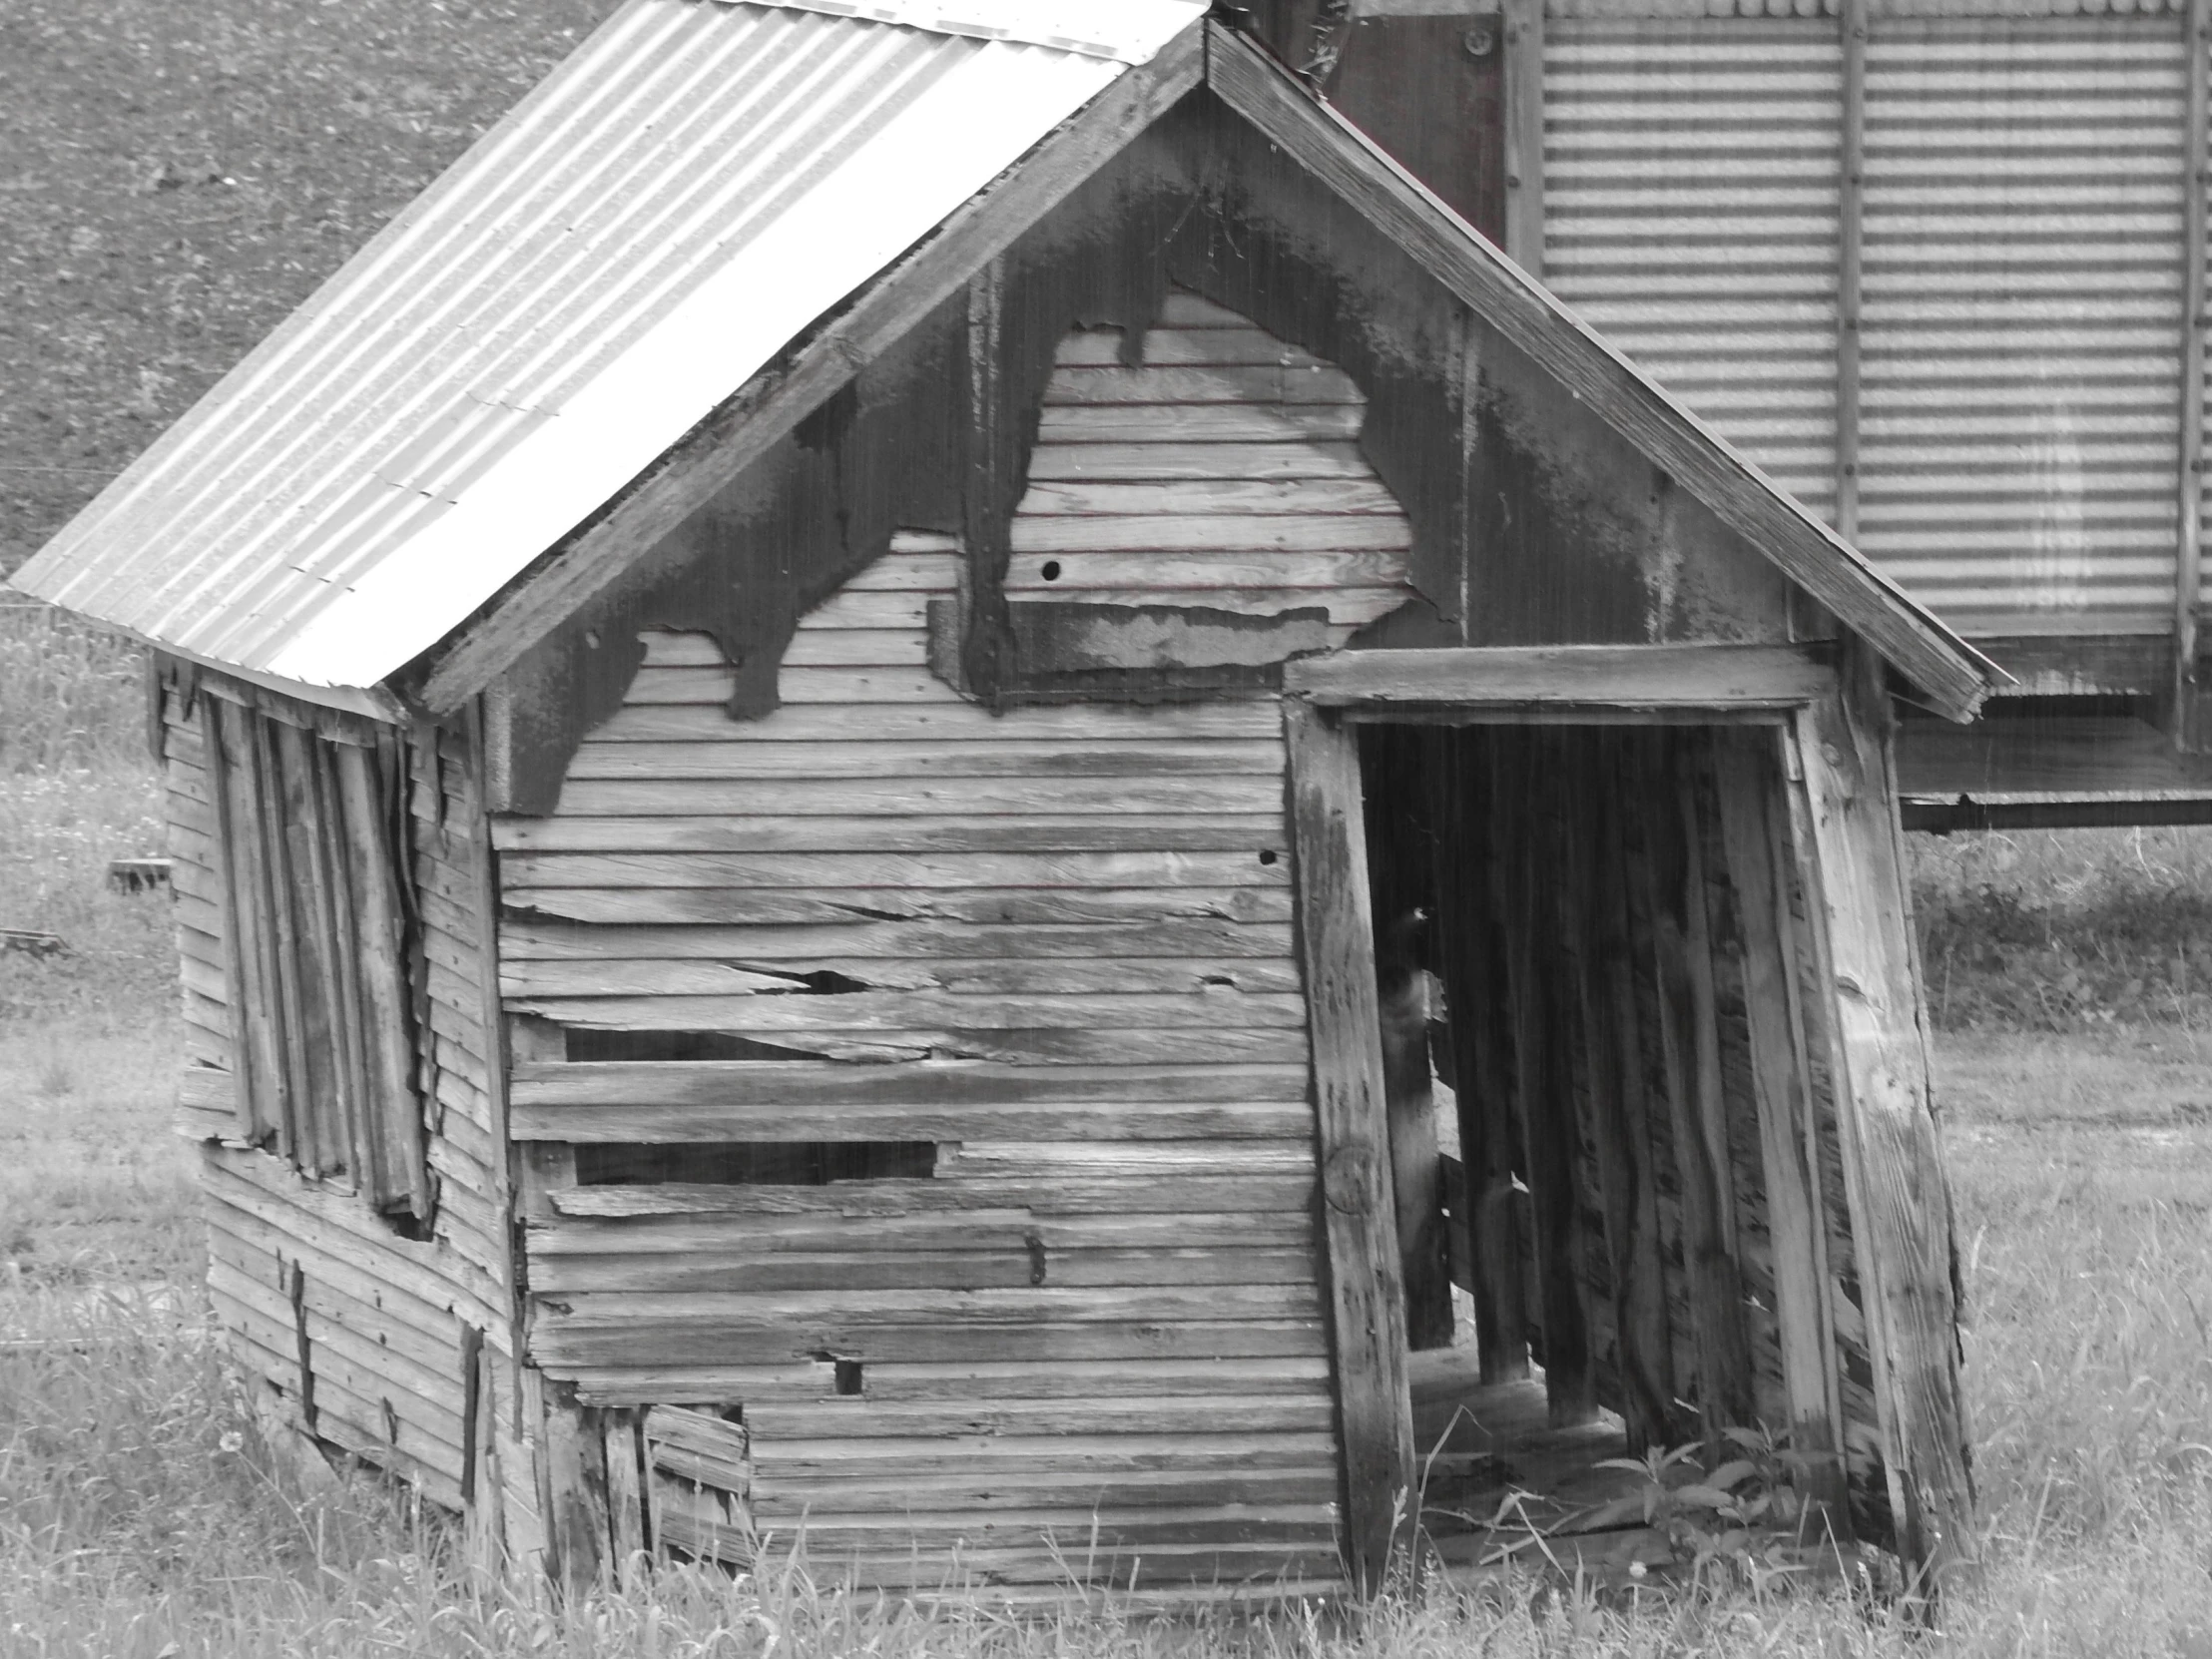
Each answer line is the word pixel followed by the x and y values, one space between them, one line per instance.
pixel 173 180
pixel 141 1517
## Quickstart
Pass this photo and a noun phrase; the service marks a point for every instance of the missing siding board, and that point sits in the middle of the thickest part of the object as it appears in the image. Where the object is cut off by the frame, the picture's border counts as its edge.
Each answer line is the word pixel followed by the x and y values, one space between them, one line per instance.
pixel 651 1046
pixel 753 1162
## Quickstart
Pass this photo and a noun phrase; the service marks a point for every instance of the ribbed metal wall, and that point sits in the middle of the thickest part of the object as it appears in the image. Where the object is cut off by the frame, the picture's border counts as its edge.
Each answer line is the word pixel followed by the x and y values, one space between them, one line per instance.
pixel 2023 283
pixel 2022 320
pixel 1691 206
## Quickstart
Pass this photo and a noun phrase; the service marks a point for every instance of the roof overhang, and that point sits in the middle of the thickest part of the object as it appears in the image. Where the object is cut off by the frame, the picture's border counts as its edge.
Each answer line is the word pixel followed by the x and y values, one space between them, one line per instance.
pixel 589 512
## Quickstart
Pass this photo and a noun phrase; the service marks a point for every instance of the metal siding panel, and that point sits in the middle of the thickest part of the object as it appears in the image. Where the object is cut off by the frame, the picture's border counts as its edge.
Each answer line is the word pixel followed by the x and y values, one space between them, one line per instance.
pixel 2023 320
pixel 1690 216
pixel 563 303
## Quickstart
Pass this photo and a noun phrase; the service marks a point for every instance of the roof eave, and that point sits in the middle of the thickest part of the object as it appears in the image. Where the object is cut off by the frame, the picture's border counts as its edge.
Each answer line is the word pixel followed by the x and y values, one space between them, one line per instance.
pixel 1953 675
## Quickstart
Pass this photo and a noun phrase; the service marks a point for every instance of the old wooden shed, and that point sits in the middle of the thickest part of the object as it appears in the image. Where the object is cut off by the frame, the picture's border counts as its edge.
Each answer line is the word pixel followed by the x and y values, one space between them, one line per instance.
pixel 790 710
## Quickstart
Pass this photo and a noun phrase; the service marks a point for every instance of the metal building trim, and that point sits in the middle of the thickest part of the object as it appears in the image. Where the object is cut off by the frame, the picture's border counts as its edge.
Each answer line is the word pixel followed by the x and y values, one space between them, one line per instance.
pixel 1687 10
pixel 1124 33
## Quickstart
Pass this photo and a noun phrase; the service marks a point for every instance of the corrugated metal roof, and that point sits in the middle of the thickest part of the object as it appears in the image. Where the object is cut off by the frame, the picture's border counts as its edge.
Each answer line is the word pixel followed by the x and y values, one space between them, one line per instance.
pixel 697 183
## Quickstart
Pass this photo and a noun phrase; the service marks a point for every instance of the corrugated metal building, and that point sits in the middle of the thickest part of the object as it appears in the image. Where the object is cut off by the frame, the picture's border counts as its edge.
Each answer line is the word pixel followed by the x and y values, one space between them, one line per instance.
pixel 1938 267
pixel 773 708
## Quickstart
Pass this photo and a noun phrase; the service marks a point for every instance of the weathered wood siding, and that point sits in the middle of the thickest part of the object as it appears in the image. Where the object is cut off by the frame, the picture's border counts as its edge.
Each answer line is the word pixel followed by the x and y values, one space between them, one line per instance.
pixel 378 1343
pixel 1062 936
pixel 1218 470
pixel 1056 942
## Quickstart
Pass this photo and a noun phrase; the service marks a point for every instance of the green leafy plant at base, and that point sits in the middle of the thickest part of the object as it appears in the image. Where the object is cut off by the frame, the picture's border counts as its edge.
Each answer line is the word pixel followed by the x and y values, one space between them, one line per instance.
pixel 1747 1514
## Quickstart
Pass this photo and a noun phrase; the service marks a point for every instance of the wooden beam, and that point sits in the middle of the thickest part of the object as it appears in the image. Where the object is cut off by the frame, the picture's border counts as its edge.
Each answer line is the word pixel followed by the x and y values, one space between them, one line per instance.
pixel 1850 852
pixel 1524 134
pixel 721 447
pixel 1654 677
pixel 2044 753
pixel 1367 1300
pixel 1949 672
pixel 1945 817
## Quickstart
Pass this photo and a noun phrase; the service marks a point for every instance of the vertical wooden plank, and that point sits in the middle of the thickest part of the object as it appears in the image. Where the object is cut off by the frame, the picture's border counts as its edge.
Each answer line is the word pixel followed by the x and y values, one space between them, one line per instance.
pixel 295 1291
pixel 1545 1086
pixel 624 1460
pixel 574 1493
pixel 336 883
pixel 253 1047
pixel 1843 807
pixel 1690 1068
pixel 1710 1096
pixel 1614 1043
pixel 1367 1300
pixel 2196 179
pixel 281 945
pixel 1467 940
pixel 1749 793
pixel 326 1021
pixel 987 486
pixel 1525 134
pixel 1428 88
pixel 401 1176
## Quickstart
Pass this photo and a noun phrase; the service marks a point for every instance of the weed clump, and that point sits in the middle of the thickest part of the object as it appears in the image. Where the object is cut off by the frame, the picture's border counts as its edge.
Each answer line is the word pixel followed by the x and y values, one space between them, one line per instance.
pixel 2065 930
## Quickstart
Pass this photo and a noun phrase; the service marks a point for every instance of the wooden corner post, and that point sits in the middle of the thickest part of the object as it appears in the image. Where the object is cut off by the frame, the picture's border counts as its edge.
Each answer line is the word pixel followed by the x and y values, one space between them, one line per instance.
pixel 1843 807
pixel 1367 1300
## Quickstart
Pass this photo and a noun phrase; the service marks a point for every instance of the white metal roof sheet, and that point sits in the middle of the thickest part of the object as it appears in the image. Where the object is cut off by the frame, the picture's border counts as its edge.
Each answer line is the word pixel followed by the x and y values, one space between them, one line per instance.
pixel 697 183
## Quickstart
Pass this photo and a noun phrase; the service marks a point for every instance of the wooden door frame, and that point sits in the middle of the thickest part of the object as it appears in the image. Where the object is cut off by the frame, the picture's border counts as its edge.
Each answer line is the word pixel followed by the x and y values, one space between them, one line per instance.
pixel 1834 734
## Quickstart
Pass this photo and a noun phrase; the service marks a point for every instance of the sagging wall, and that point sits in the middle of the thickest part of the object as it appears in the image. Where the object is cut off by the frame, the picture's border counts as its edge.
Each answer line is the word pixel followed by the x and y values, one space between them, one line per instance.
pixel 1648 1125
pixel 1020 983
pixel 1054 948
pixel 396 1349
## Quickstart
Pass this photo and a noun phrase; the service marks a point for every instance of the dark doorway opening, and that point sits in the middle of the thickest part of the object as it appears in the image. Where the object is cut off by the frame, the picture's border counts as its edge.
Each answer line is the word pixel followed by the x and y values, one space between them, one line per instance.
pixel 1567 922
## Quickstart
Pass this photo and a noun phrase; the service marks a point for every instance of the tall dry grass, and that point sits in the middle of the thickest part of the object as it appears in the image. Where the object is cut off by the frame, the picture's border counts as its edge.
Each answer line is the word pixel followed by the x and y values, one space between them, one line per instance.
pixel 2066 929
pixel 141 1517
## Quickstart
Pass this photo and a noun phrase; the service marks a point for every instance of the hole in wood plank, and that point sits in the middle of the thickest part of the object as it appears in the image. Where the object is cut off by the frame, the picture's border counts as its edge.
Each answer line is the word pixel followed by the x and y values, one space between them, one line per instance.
pixel 674 1045
pixel 828 983
pixel 753 1162
pixel 1266 855
pixel 850 1380
pixel 1050 570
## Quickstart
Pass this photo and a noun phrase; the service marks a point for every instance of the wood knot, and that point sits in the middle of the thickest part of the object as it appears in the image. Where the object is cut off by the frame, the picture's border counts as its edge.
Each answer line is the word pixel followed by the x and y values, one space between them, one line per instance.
pixel 1348 1180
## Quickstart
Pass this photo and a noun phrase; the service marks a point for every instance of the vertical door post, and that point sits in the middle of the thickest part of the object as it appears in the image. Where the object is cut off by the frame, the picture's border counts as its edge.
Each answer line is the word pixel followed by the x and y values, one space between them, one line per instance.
pixel 1843 805
pixel 1367 1300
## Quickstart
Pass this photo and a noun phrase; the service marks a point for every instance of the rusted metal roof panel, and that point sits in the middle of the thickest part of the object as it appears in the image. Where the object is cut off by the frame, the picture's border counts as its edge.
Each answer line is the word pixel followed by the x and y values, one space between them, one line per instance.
pixel 2023 321
pixel 696 185
pixel 1690 216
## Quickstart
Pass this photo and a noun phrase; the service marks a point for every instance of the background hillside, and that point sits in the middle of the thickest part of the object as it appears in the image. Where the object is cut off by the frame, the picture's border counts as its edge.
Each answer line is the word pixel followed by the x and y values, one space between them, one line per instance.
pixel 175 178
